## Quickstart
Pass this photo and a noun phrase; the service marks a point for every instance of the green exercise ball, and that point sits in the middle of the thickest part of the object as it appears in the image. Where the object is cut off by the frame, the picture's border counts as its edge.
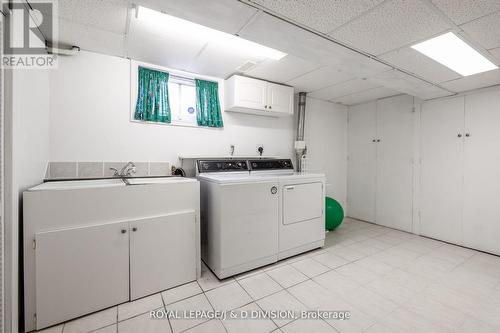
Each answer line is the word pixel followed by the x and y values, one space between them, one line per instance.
pixel 334 214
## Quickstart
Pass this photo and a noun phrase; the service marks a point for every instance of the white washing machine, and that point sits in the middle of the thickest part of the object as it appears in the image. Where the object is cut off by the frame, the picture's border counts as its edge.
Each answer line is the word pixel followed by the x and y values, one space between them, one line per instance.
pixel 301 224
pixel 253 218
pixel 239 215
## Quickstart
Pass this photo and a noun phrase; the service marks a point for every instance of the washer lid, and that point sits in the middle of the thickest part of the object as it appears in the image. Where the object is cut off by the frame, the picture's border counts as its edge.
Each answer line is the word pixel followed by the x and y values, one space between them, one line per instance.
pixel 235 177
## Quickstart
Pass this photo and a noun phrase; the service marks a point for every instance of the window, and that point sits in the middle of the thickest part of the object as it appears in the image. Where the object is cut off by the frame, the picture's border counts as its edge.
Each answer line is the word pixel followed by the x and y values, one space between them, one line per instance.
pixel 182 96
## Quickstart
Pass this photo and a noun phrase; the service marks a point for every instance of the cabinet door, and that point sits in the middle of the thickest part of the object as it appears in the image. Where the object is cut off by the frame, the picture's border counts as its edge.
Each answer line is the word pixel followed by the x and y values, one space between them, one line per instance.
pixel 395 128
pixel 162 253
pixel 279 98
pixel 442 169
pixel 481 217
pixel 362 162
pixel 80 270
pixel 250 93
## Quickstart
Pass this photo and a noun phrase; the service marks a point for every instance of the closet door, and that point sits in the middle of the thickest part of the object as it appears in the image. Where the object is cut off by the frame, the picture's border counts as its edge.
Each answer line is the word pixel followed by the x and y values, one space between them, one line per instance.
pixel 442 139
pixel 395 128
pixel 481 216
pixel 362 162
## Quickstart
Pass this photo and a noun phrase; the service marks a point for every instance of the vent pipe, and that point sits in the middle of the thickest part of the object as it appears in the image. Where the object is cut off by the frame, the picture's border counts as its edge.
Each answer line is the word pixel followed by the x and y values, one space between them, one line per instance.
pixel 300 144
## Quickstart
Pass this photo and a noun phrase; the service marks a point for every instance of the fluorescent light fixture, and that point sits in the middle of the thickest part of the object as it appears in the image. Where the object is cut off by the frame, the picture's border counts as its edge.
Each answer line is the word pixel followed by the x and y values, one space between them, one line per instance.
pixel 454 53
pixel 194 31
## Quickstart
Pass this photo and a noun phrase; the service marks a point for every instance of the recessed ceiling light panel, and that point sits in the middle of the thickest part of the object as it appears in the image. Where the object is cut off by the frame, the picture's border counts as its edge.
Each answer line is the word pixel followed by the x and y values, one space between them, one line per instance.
pixel 452 52
pixel 193 31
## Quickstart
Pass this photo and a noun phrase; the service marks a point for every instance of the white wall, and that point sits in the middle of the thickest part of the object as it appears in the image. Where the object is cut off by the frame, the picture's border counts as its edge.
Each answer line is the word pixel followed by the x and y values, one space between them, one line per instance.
pixel 90 121
pixel 27 143
pixel 326 139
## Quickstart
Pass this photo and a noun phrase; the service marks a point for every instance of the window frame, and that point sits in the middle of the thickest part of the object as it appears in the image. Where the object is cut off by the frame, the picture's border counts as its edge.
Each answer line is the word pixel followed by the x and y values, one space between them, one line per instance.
pixel 173 73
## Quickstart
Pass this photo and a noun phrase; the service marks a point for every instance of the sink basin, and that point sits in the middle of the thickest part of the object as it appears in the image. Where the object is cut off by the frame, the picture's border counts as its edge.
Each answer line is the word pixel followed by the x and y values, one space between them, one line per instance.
pixel 108 182
pixel 163 180
pixel 78 184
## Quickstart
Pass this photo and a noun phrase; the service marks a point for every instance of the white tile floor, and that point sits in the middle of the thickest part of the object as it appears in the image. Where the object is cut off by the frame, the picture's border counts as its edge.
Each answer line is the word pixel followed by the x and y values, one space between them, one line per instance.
pixel 390 281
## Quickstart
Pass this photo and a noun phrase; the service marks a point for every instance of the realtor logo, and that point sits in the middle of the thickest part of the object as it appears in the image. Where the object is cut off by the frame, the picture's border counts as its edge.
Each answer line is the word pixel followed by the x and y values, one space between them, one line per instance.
pixel 28 27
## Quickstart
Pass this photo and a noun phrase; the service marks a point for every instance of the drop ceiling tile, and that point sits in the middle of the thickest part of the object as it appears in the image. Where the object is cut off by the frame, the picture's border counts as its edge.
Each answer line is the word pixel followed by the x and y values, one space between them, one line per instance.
pixel 273 32
pixel 419 64
pixel 392 25
pixel 320 78
pixel 366 95
pixel 149 43
pixel 282 70
pixel 476 81
pixel 485 31
pixel 90 38
pixel 496 54
pixel 109 15
pixel 343 89
pixel 409 85
pixel 216 61
pixel 321 15
pixel 223 15
pixel 461 11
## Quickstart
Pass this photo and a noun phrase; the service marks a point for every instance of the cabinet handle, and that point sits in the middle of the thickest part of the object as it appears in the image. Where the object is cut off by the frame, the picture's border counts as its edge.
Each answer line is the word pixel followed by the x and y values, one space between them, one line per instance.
pixel 290 187
pixel 265 106
pixel 124 231
pixel 467 134
pixel 378 140
pixel 374 140
pixel 134 229
pixel 270 107
pixel 459 135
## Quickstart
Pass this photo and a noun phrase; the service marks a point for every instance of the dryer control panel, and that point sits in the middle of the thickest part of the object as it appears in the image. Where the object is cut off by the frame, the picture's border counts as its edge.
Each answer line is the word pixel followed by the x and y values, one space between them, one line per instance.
pixel 271 164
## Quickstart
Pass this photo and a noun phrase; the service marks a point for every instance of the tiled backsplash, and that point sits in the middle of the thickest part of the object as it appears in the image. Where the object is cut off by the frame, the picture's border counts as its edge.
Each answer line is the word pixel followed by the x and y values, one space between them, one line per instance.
pixel 59 170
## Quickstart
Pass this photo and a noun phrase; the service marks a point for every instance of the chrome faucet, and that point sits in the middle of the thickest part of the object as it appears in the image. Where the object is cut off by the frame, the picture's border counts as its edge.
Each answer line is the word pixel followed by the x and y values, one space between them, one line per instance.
pixel 126 171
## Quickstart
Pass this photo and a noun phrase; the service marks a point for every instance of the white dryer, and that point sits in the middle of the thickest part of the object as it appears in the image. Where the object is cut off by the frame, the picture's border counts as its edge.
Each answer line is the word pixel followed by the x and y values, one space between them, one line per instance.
pixel 301 214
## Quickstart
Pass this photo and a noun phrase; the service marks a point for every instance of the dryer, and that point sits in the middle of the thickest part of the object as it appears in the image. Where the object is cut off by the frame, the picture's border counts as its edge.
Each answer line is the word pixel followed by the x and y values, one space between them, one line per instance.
pixel 301 220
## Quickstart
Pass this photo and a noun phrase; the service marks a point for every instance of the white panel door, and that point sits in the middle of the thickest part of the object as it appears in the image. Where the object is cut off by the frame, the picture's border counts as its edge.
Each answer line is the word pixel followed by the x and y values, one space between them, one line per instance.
pixel 302 202
pixel 162 253
pixel 250 93
pixel 362 162
pixel 481 216
pixel 395 128
pixel 279 98
pixel 80 270
pixel 442 136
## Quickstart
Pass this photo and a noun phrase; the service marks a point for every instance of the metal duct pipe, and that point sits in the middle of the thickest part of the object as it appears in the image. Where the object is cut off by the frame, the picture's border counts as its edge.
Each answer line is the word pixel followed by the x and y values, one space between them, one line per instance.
pixel 300 144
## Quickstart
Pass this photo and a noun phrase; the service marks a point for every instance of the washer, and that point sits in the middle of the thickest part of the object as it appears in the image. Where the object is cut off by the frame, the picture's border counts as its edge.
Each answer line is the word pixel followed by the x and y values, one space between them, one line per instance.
pixel 301 218
pixel 239 214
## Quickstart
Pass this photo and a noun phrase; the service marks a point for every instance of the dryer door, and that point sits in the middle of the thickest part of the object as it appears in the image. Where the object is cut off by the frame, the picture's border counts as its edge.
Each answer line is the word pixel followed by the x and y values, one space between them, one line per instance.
pixel 302 202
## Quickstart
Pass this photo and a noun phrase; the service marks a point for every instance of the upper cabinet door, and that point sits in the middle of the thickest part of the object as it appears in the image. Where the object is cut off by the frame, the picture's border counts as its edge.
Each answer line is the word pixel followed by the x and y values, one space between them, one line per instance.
pixel 279 98
pixel 362 162
pixel 162 253
pixel 395 130
pixel 80 270
pixel 442 140
pixel 481 217
pixel 250 93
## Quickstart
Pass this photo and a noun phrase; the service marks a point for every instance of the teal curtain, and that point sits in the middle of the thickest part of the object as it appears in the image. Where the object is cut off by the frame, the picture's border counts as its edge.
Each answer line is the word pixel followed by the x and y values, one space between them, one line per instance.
pixel 207 104
pixel 152 96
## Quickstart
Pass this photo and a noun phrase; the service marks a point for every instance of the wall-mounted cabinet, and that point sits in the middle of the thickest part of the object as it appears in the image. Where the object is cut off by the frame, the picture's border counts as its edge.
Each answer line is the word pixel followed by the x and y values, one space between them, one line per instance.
pixel 248 95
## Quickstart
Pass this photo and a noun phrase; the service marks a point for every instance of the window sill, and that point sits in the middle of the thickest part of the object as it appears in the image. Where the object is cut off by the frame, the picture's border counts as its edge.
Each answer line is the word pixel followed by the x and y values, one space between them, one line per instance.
pixel 175 124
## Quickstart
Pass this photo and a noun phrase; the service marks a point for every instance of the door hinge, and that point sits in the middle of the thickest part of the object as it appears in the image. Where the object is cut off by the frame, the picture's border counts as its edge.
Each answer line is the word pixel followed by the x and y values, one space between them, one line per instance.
pixel 34 244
